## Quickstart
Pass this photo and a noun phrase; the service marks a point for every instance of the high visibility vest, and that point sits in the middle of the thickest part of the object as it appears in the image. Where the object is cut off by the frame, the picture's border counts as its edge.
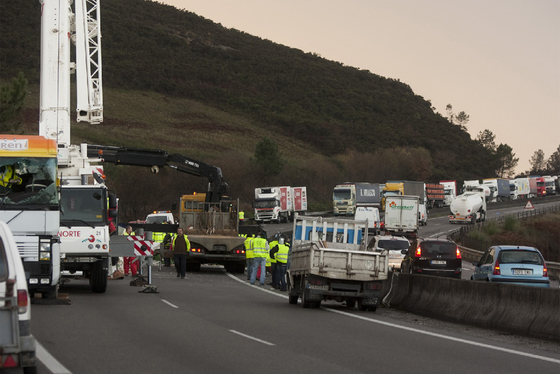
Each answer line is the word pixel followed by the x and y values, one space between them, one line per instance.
pixel 272 245
pixel 282 254
pixel 259 247
pixel 187 242
pixel 248 250
pixel 7 175
pixel 241 215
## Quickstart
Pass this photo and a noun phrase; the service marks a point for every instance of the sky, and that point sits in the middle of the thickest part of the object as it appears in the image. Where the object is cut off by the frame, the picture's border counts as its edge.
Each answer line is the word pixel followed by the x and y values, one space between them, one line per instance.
pixel 496 60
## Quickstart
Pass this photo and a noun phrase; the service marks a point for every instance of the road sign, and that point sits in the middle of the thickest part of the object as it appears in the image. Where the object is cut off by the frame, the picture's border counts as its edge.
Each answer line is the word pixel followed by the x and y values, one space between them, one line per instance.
pixel 529 205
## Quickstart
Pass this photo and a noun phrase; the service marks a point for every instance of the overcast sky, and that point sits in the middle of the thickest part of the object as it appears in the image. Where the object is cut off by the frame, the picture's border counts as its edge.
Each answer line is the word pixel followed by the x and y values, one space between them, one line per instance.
pixel 496 60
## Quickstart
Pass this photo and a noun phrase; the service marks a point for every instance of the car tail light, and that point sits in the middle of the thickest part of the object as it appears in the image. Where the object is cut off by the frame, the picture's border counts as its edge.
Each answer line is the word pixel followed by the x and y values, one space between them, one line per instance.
pixel 544 270
pixel 22 300
pixel 418 252
pixel 496 268
pixel 458 253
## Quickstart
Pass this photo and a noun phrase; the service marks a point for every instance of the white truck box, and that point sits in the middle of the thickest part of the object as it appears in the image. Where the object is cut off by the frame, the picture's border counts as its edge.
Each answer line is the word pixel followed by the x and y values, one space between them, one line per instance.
pixel 401 215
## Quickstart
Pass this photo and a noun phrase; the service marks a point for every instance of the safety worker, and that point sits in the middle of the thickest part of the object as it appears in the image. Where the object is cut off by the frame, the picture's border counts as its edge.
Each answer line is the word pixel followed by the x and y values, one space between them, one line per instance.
pixel 260 251
pixel 281 256
pixel 241 217
pixel 249 255
pixel 130 262
pixel 8 176
pixel 271 261
pixel 180 247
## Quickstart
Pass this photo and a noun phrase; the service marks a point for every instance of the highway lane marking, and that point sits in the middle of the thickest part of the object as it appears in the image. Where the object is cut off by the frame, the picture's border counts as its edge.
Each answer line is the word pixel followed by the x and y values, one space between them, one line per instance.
pixel 171 305
pixel 49 361
pixel 483 345
pixel 252 338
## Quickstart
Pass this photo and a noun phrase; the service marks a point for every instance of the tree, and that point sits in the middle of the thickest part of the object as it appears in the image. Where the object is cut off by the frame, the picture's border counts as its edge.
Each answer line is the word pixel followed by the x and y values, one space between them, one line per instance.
pixel 507 162
pixel 487 139
pixel 553 163
pixel 460 119
pixel 537 162
pixel 268 158
pixel 12 97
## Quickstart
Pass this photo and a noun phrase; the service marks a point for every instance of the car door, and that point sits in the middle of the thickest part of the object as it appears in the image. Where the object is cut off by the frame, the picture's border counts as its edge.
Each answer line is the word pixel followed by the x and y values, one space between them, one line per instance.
pixel 484 268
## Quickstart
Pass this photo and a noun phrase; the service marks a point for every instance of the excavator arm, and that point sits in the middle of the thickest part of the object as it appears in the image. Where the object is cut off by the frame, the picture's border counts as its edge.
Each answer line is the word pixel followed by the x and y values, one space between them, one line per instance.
pixel 157 159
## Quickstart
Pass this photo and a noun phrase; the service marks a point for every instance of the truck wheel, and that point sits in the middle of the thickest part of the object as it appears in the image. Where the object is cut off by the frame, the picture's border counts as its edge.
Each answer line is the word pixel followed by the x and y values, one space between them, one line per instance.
pixel 350 303
pixel 240 269
pixel 292 296
pixel 361 306
pixel 98 277
pixel 316 304
pixel 304 302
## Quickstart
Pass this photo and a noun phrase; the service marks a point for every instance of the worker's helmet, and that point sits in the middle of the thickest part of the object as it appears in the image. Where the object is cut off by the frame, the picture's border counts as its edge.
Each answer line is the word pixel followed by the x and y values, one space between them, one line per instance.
pixel 281 241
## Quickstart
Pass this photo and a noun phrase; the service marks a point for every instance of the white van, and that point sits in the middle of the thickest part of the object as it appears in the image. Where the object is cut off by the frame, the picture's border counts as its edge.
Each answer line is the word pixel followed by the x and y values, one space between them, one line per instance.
pixel 372 215
pixel 17 345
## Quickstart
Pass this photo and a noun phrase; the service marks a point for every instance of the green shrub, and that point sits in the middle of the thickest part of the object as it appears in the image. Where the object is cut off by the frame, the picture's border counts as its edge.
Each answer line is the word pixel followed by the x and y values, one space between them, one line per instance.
pixel 491 228
pixel 511 223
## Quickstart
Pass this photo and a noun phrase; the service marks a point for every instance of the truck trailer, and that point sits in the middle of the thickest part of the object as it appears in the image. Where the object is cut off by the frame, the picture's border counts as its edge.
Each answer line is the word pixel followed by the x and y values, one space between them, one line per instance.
pixel 401 216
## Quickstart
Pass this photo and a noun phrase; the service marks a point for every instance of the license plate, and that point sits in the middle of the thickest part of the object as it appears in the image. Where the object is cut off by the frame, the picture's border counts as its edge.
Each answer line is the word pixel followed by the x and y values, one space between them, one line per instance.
pixel 439 262
pixel 522 272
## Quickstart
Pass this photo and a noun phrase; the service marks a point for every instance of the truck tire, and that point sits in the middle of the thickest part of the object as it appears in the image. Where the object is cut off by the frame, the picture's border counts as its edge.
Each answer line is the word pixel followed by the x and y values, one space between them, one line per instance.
pixel 304 302
pixel 372 308
pixel 98 277
pixel 293 297
pixel 350 303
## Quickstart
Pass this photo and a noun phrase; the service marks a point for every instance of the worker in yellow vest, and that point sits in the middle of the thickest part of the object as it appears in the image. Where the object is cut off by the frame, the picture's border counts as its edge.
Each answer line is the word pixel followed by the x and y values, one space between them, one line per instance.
pixel 249 255
pixel 271 261
pixel 241 217
pixel 281 255
pixel 260 251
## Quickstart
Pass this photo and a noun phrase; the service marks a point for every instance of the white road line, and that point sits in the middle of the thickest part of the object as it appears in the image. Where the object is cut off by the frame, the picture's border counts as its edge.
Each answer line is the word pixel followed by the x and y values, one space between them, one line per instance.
pixel 519 353
pixel 543 358
pixel 49 361
pixel 262 288
pixel 251 337
pixel 171 305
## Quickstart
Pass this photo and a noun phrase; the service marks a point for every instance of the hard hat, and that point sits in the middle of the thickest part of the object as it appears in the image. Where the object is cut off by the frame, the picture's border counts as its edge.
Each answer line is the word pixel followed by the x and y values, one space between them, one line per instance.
pixel 281 241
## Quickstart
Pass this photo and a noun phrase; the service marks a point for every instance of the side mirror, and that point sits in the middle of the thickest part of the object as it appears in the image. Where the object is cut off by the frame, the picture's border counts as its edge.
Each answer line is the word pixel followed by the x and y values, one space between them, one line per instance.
pixel 112 201
pixel 113 213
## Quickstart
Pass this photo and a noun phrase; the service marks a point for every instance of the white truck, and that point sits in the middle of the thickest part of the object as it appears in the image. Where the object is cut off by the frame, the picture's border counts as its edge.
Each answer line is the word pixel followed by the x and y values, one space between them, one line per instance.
pixel 278 204
pixel 329 261
pixel 401 215
pixel 449 191
pixel 469 207
pixel 521 188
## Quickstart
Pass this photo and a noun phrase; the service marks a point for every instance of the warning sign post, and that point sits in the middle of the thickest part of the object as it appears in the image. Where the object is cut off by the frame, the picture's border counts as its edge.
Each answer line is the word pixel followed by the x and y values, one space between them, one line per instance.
pixel 529 205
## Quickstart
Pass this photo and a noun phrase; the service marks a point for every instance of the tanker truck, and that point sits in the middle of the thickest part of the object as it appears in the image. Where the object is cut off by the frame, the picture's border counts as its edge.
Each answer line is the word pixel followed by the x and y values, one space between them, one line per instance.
pixel 469 207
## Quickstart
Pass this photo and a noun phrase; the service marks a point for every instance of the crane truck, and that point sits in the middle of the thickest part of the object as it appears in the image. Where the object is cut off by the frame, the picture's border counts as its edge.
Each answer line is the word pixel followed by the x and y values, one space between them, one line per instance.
pixel 87 206
pixel 212 226
pixel 469 207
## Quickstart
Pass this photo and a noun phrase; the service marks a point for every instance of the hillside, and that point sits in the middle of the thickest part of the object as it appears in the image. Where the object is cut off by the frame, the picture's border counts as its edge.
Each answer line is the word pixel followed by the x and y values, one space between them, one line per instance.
pixel 168 73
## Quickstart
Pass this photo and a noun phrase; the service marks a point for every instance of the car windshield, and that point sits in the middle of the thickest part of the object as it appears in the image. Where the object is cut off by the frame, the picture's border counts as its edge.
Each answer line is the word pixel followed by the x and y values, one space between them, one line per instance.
pixel 342 194
pixel 393 244
pixel 31 182
pixel 520 257
pixel 156 219
pixel 82 205
pixel 438 248
pixel 266 203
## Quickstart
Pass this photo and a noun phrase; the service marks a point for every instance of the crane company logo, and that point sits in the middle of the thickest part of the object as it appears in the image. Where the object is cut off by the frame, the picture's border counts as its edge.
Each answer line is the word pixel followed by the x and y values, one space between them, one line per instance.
pixel 394 205
pixel 14 144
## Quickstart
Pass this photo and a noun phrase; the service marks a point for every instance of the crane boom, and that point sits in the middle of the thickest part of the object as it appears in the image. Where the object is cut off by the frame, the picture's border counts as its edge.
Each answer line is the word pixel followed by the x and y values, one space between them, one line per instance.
pixel 157 159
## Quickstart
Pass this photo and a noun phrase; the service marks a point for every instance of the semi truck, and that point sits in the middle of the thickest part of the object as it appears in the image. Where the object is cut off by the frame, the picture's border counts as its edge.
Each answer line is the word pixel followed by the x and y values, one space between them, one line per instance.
pixel 410 188
pixel 449 191
pixel 30 207
pixel 278 204
pixel 499 188
pixel 520 188
pixel 344 199
pixel 537 186
pixel 329 260
pixel 401 215
pixel 469 207
pixel 435 195
pixel 550 184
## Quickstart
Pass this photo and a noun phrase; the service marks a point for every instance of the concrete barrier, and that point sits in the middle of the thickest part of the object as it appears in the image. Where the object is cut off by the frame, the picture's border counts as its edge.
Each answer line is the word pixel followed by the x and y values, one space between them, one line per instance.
pixel 517 309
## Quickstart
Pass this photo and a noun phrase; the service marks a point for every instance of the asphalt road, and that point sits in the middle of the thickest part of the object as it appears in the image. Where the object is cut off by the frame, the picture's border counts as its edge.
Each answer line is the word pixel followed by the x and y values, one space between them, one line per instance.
pixel 216 322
